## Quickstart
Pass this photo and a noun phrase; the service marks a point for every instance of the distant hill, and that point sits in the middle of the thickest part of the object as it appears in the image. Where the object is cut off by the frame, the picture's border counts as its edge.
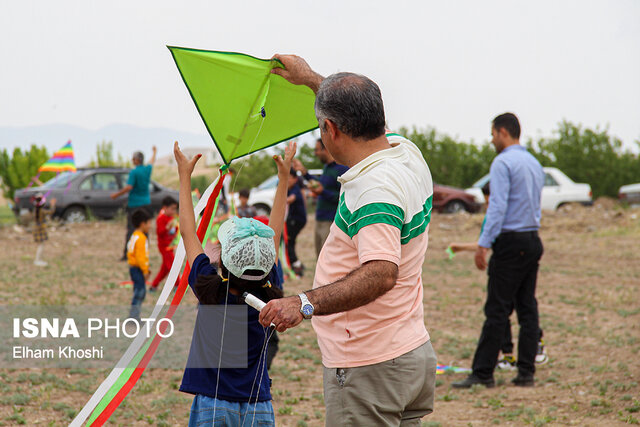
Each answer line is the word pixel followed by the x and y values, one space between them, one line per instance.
pixel 126 139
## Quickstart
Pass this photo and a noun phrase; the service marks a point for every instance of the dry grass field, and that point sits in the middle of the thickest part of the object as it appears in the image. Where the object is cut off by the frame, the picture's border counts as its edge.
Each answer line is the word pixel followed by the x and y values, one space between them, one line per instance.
pixel 588 294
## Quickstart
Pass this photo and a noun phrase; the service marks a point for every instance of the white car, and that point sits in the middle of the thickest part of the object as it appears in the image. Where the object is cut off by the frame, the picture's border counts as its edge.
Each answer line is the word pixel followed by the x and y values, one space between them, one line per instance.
pixel 630 194
pixel 558 190
pixel 262 196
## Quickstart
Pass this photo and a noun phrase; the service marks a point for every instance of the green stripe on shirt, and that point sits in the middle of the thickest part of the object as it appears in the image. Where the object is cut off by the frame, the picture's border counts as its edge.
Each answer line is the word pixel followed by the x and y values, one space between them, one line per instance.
pixel 418 223
pixel 373 213
pixel 383 213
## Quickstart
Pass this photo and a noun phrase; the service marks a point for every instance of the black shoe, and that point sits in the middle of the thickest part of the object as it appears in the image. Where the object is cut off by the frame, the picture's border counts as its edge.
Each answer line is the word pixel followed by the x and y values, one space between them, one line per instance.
pixel 471 380
pixel 523 381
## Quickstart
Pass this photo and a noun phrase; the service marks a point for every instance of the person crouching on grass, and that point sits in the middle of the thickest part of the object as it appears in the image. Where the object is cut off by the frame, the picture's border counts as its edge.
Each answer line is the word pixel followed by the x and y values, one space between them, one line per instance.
pixel 247 264
pixel 138 259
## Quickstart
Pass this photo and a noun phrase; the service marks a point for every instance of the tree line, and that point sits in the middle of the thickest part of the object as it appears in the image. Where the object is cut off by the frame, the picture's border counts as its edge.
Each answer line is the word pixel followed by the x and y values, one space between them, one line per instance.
pixel 586 155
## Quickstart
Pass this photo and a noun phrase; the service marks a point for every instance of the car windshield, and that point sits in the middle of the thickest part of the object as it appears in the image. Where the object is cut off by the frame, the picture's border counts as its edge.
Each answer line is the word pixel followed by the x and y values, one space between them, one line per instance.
pixel 481 182
pixel 60 181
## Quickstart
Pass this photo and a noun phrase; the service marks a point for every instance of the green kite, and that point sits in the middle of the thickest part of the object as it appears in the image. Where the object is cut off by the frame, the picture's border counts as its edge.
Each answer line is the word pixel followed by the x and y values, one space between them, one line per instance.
pixel 244 106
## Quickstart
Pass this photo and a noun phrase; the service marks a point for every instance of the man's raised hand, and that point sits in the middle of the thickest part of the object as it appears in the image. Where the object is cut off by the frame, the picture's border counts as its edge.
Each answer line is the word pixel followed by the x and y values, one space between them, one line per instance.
pixel 297 71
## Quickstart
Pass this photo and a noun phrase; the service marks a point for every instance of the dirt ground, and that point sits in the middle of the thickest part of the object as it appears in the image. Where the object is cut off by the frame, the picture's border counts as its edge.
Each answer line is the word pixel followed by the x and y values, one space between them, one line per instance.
pixel 588 294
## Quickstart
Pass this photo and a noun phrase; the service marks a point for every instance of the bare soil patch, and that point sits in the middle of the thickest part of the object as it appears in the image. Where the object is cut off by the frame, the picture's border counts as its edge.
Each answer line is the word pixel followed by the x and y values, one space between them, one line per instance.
pixel 588 294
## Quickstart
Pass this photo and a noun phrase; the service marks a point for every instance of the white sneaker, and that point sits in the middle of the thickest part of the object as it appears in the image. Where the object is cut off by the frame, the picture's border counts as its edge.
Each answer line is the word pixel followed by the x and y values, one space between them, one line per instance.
pixel 507 363
pixel 39 263
pixel 541 355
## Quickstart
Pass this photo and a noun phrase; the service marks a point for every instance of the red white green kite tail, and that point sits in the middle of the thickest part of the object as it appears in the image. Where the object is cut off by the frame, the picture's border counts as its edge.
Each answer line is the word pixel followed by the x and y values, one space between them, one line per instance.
pixel 130 367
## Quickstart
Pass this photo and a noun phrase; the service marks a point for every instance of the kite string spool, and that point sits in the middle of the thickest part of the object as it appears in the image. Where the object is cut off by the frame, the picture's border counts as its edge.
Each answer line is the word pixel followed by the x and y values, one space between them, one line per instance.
pixel 253 301
pixel 256 303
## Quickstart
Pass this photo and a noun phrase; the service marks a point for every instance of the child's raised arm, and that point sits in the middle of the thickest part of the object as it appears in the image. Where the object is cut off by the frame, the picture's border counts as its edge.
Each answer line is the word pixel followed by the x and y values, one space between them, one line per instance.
pixel 192 245
pixel 276 220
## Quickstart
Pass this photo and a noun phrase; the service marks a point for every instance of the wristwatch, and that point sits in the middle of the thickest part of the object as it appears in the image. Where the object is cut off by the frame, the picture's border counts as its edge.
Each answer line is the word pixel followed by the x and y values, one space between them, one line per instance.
pixel 306 308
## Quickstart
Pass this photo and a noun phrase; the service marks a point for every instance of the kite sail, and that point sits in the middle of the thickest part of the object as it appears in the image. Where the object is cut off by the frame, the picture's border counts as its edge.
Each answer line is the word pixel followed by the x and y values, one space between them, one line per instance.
pixel 244 106
pixel 61 161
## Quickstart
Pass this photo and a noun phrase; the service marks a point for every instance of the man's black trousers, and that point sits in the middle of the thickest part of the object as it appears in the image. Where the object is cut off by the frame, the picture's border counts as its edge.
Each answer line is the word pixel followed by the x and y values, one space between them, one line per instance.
pixel 513 270
pixel 293 229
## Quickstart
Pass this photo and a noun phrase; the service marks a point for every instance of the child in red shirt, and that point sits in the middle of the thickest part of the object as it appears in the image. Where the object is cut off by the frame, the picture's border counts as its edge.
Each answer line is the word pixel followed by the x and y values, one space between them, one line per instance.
pixel 167 230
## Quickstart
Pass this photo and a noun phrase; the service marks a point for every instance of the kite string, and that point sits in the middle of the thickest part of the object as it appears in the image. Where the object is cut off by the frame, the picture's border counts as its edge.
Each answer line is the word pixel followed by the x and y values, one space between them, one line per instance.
pixel 224 318
pixel 263 356
pixel 224 321
pixel 233 188
pixel 255 377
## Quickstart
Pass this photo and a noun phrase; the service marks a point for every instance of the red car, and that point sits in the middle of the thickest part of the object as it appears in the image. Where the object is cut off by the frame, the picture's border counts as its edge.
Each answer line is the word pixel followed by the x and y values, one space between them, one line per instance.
pixel 450 200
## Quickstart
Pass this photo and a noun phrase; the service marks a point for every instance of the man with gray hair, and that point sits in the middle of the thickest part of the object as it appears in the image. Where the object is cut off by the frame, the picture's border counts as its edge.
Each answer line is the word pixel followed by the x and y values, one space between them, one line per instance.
pixel 366 301
pixel 138 189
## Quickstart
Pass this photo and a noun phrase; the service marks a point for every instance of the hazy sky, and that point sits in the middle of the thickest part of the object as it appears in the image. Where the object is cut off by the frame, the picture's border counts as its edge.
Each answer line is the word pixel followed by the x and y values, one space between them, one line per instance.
pixel 453 65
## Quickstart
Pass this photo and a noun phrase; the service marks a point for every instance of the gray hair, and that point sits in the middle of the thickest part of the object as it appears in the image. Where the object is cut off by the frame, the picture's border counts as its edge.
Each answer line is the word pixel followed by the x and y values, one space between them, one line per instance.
pixel 353 103
pixel 139 156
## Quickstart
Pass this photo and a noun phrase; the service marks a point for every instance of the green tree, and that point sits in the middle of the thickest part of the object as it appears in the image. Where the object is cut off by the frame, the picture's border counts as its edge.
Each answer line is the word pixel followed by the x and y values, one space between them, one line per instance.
pixel 585 155
pixel 201 182
pixel 454 163
pixel 17 170
pixel 252 170
pixel 590 155
pixel 308 158
pixel 104 155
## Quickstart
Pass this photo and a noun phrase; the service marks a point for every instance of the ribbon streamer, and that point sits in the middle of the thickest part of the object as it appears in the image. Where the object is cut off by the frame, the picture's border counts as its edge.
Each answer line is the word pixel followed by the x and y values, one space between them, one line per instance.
pixel 120 381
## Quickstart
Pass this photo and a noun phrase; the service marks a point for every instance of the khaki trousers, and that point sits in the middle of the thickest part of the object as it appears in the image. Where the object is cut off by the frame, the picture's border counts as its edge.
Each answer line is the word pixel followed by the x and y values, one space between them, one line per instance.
pixel 397 392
